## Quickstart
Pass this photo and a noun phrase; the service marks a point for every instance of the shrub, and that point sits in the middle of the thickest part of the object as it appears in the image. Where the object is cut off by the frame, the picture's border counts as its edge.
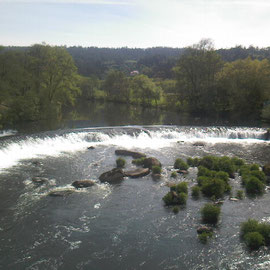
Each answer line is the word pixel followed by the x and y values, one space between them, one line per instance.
pixel 175 209
pixel 254 186
pixel 173 198
pixel 245 178
pixel 196 162
pixel 202 179
pixel 168 198
pixel 174 175
pixel 190 162
pixel 259 174
pixel 249 226
pixel 195 191
pixel 254 167
pixel 254 240
pixel 240 194
pixel 255 234
pixel 182 198
pixel 193 162
pixel 156 170
pixel 210 213
pixel 120 163
pixel 225 164
pixel 214 187
pixel 203 237
pixel 245 169
pixel 181 187
pixel 223 176
pixel 202 171
pixel 238 162
pixel 264 230
pixel 209 162
pixel 138 161
pixel 180 164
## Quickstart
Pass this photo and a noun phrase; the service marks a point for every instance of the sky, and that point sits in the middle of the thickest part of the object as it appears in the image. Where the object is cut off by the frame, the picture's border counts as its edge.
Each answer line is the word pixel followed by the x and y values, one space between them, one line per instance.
pixel 135 23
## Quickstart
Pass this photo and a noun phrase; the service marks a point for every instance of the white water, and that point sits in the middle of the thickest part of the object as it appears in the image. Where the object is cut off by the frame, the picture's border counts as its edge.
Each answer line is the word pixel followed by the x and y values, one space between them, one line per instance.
pixel 11 153
pixel 6 133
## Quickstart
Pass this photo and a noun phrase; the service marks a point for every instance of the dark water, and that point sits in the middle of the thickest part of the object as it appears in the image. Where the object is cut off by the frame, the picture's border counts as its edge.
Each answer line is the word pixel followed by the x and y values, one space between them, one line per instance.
pixel 100 114
pixel 125 225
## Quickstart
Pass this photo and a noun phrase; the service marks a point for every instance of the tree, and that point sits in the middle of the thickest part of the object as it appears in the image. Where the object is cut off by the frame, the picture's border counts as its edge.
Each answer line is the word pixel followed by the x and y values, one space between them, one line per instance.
pixel 36 83
pixel 116 86
pixel 243 86
pixel 88 86
pixel 196 76
pixel 54 75
pixel 144 90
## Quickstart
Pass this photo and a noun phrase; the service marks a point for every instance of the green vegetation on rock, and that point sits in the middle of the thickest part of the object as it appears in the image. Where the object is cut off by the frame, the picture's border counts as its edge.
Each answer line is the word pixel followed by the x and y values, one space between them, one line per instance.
pixel 138 161
pixel 177 194
pixel 195 192
pixel 210 213
pixel 180 164
pixel 240 194
pixel 203 237
pixel 255 234
pixel 156 170
pixel 120 163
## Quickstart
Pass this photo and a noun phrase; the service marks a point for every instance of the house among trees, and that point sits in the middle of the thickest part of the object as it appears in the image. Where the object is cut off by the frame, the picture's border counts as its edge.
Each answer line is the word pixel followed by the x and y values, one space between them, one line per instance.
pixel 134 73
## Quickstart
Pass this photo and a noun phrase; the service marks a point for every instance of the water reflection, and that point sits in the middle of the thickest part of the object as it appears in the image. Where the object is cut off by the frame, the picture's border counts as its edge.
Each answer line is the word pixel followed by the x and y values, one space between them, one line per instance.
pixel 96 114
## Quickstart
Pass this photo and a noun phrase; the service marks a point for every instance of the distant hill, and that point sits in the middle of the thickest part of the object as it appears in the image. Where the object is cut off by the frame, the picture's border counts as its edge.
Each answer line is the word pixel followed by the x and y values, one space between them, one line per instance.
pixel 155 62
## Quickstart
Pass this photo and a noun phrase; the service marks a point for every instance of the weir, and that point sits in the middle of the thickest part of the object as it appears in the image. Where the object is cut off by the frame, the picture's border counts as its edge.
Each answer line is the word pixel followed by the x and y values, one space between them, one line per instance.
pixel 15 149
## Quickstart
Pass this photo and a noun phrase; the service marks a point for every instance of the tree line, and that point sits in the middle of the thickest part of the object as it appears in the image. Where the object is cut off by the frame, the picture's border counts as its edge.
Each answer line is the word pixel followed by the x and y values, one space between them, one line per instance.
pixel 39 82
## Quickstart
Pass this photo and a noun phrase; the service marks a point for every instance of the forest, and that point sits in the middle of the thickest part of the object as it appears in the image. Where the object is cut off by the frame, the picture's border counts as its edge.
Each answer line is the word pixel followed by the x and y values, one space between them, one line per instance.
pixel 42 81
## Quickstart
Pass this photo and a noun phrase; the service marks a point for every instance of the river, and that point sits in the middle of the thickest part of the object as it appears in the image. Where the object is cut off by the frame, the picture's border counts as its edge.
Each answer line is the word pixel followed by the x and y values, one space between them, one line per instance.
pixel 123 225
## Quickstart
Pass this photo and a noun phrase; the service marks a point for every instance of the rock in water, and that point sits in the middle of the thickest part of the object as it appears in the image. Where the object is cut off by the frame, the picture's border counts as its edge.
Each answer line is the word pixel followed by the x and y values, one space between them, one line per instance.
pixel 123 152
pixel 137 173
pixel 60 193
pixel 204 229
pixel 83 183
pixel 40 180
pixel 266 135
pixel 112 175
pixel 156 176
pixel 90 147
pixel 199 144
pixel 182 171
pixel 150 162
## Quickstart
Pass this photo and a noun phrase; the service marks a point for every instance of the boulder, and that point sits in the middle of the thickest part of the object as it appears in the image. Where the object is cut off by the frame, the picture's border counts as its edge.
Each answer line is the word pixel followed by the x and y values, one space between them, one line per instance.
pixel 60 193
pixel 137 173
pixel 156 175
pixel 123 152
pixel 266 135
pixel 204 229
pixel 234 199
pixel 182 171
pixel 169 184
pixel 112 175
pixel 83 183
pixel 218 202
pixel 266 169
pixel 39 180
pixel 150 162
pixel 199 144
pixel 90 147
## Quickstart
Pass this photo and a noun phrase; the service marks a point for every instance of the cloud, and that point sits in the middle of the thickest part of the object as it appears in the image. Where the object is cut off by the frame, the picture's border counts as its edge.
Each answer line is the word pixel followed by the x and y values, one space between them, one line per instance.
pixel 91 2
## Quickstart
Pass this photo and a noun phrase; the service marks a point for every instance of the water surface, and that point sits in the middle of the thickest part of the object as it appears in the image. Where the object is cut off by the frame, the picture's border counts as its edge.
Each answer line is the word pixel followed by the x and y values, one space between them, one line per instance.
pixel 125 225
